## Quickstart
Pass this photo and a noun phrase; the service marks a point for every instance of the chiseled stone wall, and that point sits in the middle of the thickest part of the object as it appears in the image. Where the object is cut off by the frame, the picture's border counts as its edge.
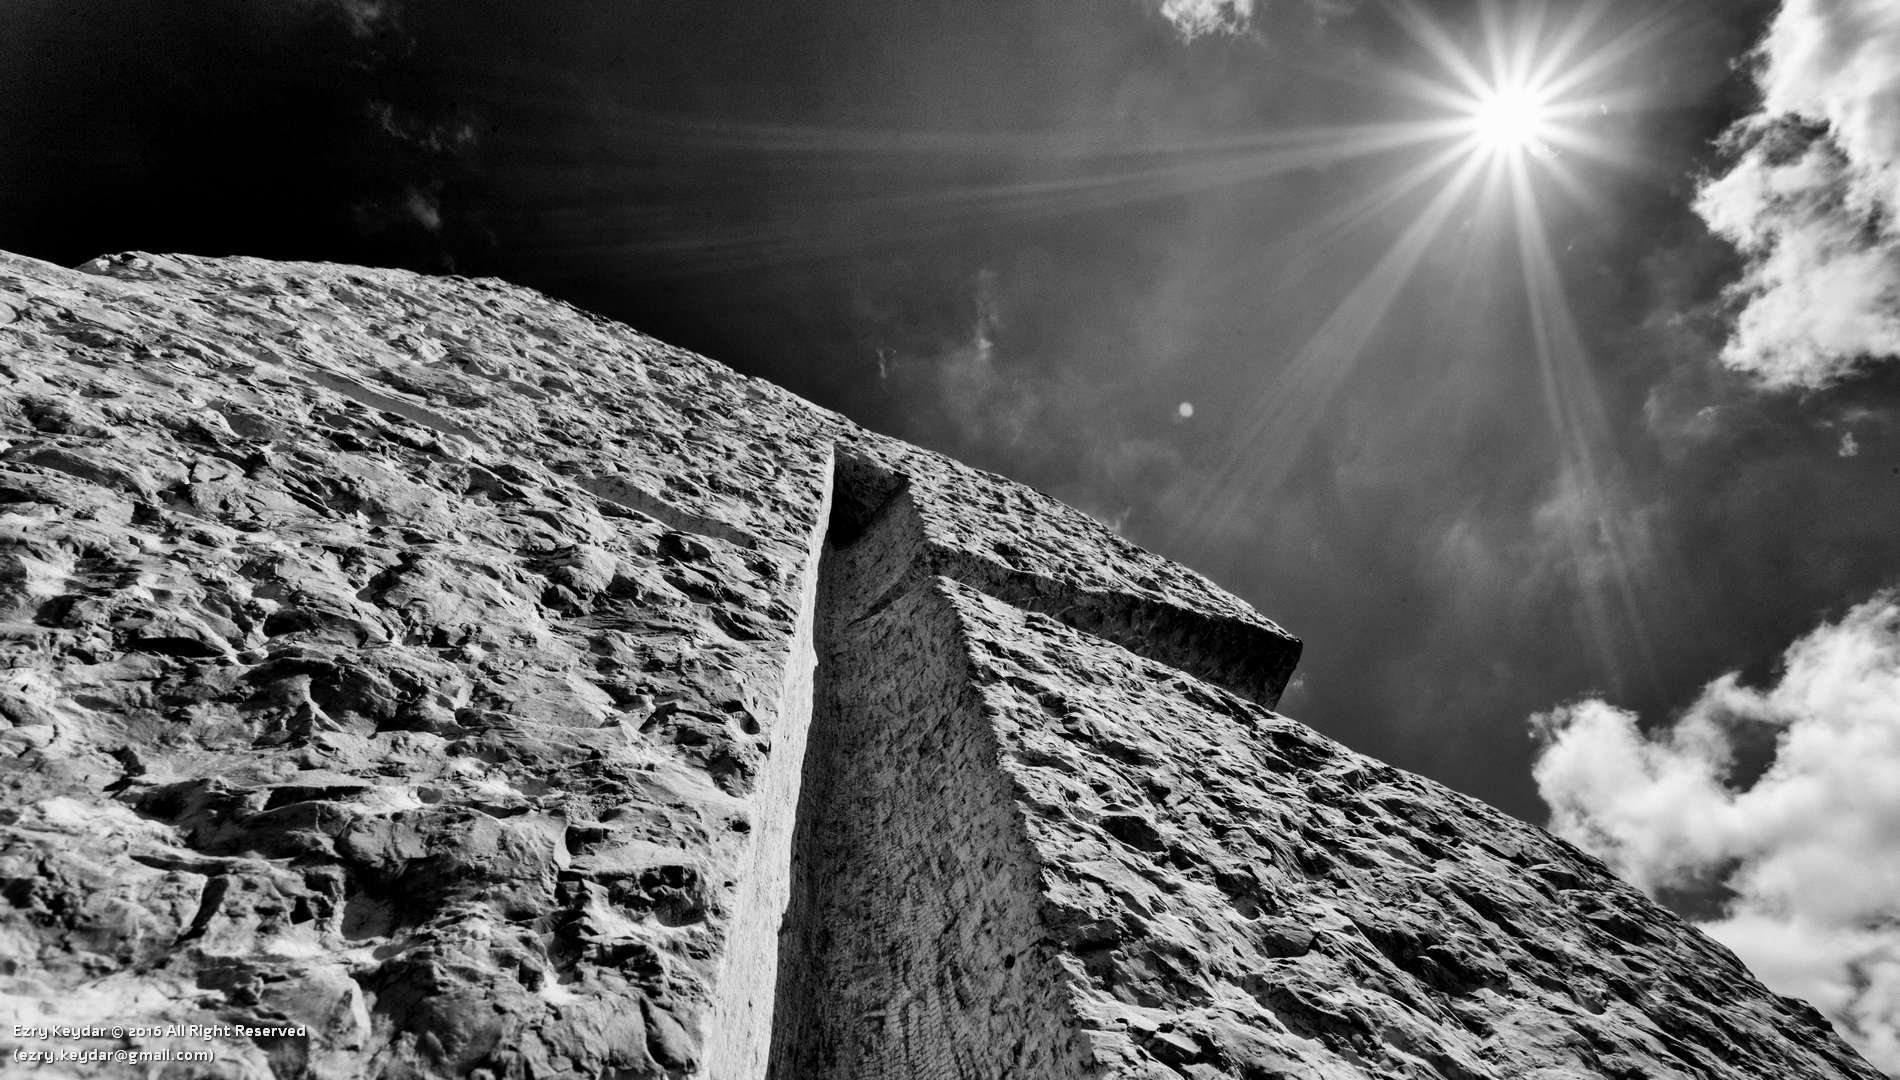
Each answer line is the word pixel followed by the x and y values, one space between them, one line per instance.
pixel 915 946
pixel 429 665
pixel 348 684
pixel 1234 895
pixel 747 988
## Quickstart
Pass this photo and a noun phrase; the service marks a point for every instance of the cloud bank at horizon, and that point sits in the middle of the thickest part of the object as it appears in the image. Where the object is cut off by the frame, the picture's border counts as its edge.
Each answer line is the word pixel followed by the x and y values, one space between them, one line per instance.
pixel 1813 198
pixel 1808 853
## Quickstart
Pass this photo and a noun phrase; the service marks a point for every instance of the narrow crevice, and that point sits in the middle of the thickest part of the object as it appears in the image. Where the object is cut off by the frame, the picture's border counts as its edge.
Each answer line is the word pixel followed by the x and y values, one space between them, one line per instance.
pixel 912 943
pixel 621 492
pixel 801 935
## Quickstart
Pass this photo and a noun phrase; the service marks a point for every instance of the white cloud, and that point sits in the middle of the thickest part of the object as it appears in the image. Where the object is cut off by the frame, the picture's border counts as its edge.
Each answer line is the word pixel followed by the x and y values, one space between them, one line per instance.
pixel 423 208
pixel 1196 17
pixel 1809 851
pixel 1813 199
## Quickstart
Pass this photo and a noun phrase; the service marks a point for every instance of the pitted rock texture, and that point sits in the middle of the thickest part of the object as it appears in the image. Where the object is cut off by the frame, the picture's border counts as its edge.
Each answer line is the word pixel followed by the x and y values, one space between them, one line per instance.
pixel 327 711
pixel 1235 895
pixel 429 667
pixel 911 944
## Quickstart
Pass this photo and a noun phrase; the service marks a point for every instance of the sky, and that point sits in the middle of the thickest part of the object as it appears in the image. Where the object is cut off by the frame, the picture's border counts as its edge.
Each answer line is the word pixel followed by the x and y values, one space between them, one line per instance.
pixel 1573 462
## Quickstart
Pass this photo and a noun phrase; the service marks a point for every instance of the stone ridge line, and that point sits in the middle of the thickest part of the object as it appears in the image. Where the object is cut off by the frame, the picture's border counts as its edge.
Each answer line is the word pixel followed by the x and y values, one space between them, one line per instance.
pixel 913 891
pixel 313 709
pixel 914 910
pixel 745 996
pixel 1232 896
pixel 664 432
pixel 1251 658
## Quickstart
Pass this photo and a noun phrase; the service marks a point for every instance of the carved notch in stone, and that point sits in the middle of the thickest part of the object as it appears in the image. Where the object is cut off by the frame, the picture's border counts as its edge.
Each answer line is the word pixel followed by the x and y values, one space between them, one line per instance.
pixel 914 893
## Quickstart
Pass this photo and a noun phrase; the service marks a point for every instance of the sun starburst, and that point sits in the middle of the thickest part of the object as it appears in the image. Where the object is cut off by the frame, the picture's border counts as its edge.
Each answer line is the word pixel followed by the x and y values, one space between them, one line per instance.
pixel 1510 126
pixel 1513 120
pixel 1534 87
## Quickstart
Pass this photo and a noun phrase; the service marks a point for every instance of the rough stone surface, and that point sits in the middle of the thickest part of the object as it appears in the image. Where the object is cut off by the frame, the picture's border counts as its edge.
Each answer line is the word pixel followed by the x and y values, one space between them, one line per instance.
pixel 915 944
pixel 484 689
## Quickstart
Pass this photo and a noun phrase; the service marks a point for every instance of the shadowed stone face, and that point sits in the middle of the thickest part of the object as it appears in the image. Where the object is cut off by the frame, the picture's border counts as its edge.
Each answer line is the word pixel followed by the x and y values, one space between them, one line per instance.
pixel 416 677
pixel 913 945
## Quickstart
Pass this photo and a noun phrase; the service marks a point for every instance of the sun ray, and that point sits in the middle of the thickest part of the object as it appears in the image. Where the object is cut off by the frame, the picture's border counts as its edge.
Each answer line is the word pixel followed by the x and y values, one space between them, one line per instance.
pixel 1587 70
pixel 1289 407
pixel 1612 571
pixel 1513 124
pixel 1501 129
pixel 1521 93
pixel 1066 176
pixel 1519 116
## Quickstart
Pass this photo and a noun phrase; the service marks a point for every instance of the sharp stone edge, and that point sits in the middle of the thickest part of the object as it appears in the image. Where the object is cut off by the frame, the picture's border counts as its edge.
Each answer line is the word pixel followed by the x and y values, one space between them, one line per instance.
pixel 481 688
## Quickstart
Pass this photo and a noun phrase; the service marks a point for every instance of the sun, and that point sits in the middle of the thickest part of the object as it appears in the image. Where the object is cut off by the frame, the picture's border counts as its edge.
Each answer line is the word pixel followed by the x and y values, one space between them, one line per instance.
pixel 1510 120
pixel 1526 88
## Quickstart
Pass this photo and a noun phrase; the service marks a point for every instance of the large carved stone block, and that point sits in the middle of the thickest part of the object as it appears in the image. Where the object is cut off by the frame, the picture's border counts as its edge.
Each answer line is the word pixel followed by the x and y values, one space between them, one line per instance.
pixel 411 677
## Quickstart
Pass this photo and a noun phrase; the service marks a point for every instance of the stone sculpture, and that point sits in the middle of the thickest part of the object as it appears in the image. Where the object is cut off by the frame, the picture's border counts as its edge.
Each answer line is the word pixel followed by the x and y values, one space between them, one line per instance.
pixel 417 677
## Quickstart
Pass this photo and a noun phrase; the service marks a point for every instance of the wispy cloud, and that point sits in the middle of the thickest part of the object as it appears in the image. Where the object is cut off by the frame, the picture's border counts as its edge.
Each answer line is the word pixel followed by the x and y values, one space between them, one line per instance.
pixel 1813 197
pixel 1802 859
pixel 366 18
pixel 952 357
pixel 433 149
pixel 443 136
pixel 412 207
pixel 988 403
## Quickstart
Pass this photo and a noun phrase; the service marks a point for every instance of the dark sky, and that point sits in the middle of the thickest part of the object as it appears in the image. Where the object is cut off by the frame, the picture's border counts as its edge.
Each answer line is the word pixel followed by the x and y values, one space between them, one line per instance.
pixel 1026 233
